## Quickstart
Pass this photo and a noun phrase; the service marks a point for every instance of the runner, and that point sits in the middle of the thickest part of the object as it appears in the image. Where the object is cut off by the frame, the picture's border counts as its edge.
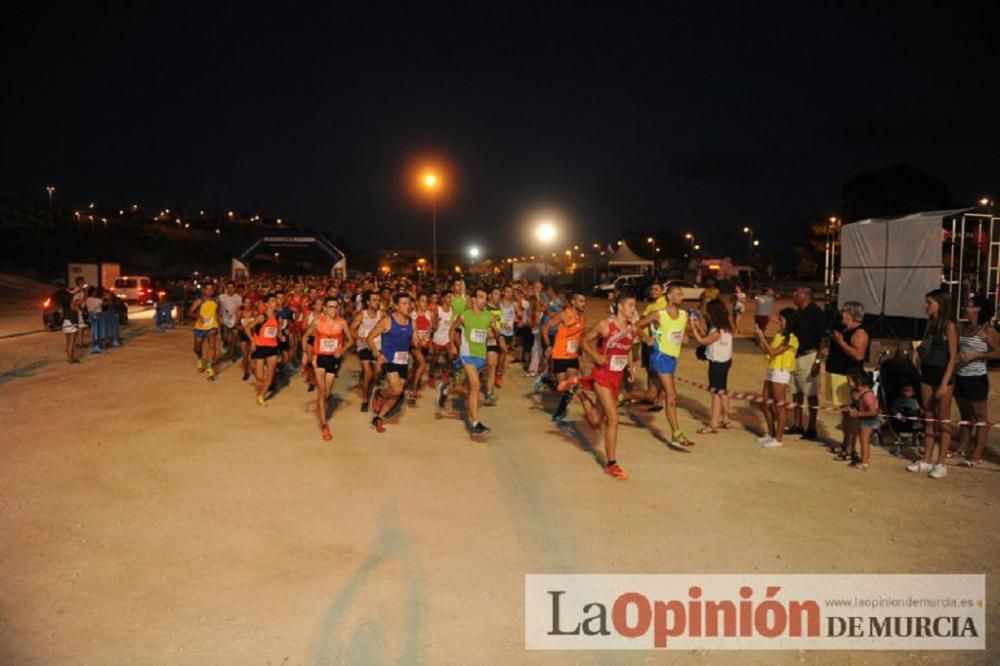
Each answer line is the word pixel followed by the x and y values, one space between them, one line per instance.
pixel 246 317
pixel 229 307
pixel 285 316
pixel 523 314
pixel 616 335
pixel 265 332
pixel 309 315
pixel 493 346
pixel 475 324
pixel 669 336
pixel 364 322
pixel 653 392
pixel 508 315
pixel 331 339
pixel 441 341
pixel 205 310
pixel 565 350
pixel 423 320
pixel 398 335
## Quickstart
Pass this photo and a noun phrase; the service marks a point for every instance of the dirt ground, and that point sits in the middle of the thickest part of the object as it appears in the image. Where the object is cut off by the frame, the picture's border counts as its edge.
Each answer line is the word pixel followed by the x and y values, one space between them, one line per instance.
pixel 148 516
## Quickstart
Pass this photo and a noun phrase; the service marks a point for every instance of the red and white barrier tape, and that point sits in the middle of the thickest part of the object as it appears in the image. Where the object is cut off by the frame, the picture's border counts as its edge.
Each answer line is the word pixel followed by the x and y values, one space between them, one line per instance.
pixel 759 399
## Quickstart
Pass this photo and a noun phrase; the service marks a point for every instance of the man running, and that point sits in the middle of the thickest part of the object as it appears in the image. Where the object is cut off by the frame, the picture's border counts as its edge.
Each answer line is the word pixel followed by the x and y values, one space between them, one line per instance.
pixel 398 335
pixel 508 314
pixel 205 311
pixel 229 308
pixel 565 350
pixel 616 336
pixel 331 339
pixel 493 346
pixel 668 337
pixel 364 322
pixel 476 324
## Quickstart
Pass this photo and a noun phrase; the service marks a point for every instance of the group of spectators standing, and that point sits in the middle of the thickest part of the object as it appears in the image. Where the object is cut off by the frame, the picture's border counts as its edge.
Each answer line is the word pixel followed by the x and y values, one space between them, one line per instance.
pixel 90 317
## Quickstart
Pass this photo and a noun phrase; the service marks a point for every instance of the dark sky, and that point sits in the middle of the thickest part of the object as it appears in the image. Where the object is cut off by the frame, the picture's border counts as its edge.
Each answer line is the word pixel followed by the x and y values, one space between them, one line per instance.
pixel 621 116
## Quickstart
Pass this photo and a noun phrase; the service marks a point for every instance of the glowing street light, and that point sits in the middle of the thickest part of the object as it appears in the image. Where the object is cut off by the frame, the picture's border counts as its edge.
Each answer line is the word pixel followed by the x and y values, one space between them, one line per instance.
pixel 474 252
pixel 756 243
pixel 985 201
pixel 431 183
pixel 546 233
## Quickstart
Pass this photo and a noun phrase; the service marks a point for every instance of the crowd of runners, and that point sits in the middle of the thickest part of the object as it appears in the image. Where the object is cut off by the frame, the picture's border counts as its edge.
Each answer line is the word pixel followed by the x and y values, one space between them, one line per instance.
pixel 460 340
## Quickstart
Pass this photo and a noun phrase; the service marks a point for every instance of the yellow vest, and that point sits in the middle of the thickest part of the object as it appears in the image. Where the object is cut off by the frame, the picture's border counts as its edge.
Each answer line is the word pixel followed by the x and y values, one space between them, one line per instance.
pixel 670 334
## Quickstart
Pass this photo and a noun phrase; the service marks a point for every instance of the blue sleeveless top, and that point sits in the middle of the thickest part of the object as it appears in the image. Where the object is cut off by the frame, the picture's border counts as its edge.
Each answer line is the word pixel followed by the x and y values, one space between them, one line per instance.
pixel 397 339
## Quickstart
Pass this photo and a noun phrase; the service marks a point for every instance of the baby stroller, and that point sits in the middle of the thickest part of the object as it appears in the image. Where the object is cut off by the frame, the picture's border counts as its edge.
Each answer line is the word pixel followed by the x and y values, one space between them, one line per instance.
pixel 896 373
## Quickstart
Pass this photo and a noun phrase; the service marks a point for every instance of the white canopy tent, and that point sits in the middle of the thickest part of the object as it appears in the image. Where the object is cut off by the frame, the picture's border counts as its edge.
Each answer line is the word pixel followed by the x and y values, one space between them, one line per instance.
pixel 624 257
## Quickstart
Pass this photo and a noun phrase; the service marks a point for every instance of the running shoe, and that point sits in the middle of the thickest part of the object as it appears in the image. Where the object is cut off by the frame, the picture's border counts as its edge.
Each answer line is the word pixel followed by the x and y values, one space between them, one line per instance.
pixel 411 396
pixel 616 471
pixel 491 399
pixel 310 388
pixel 326 433
pixel 246 376
pixel 499 381
pixel 260 401
pixel 568 383
pixel 442 396
pixel 938 472
pixel 764 438
pixel 920 466
pixel 772 444
pixel 539 383
pixel 478 430
pixel 378 423
pixel 210 374
pixel 364 406
pixel 377 401
pixel 201 365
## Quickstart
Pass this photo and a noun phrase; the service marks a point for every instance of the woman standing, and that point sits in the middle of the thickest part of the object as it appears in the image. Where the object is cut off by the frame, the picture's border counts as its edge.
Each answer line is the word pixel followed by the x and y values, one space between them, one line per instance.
pixel 846 350
pixel 781 361
pixel 977 343
pixel 938 353
pixel 719 353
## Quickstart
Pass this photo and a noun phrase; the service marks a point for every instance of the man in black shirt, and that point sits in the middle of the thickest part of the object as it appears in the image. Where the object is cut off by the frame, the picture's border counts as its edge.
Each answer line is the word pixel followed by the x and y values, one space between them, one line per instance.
pixel 810 328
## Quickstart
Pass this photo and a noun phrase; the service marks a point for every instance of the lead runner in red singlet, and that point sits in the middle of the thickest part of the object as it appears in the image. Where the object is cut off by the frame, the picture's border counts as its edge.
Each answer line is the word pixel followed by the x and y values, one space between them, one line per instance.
pixel 331 339
pixel 610 362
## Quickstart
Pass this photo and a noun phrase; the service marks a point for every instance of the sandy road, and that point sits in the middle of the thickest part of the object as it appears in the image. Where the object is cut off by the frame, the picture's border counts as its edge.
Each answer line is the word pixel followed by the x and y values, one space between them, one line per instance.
pixel 148 516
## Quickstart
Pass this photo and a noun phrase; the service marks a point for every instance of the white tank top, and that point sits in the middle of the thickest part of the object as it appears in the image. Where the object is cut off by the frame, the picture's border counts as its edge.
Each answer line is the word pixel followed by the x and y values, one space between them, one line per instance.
pixel 367 324
pixel 444 324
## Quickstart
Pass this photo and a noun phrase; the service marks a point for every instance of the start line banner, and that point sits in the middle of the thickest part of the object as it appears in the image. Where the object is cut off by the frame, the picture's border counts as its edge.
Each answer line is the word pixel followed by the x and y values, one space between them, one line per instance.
pixel 755 612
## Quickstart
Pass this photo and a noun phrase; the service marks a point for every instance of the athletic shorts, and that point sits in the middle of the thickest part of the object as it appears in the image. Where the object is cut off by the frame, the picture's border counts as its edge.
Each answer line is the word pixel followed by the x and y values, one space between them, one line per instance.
pixel 310 341
pixel 837 390
pixel 973 389
pixel 439 349
pixel 718 375
pixel 606 378
pixel 474 361
pixel 401 369
pixel 762 321
pixel 199 333
pixel 69 327
pixel 264 352
pixel 509 339
pixel 933 374
pixel 243 336
pixel 647 351
pixel 663 364
pixel 778 376
pixel 365 355
pixel 526 337
pixel 803 379
pixel 561 365
pixel 328 362
pixel 492 349
pixel 283 345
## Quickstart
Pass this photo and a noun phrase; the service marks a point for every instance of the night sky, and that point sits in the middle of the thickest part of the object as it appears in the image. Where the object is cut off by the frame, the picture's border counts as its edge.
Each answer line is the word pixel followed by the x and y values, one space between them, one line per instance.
pixel 620 116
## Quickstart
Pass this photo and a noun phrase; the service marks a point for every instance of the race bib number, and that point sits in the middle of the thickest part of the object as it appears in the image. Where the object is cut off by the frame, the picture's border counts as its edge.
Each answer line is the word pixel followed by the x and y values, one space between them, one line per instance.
pixel 478 335
pixel 618 363
pixel 676 337
pixel 401 358
pixel 230 320
pixel 329 345
pixel 572 346
pixel 424 334
pixel 205 321
pixel 270 332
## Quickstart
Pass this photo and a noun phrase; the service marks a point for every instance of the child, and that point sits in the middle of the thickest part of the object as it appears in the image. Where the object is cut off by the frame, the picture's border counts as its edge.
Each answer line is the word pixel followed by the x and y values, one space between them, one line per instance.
pixel 864 408
pixel 906 406
pixel 781 362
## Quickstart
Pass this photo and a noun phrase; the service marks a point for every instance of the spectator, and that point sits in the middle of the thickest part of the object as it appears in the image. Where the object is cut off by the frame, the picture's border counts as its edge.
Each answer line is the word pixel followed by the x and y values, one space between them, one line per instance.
pixel 847 348
pixel 781 361
pixel 718 341
pixel 978 342
pixel 810 329
pixel 739 305
pixel 863 409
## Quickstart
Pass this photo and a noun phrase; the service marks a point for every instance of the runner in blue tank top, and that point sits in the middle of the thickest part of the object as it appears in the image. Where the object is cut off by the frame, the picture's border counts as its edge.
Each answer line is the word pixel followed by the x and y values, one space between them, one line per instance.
pixel 397 336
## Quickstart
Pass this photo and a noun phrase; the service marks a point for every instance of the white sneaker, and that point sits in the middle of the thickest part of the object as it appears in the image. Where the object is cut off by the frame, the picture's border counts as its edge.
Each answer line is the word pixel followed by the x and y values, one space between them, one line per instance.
pixel 770 444
pixel 919 466
pixel 938 472
pixel 764 439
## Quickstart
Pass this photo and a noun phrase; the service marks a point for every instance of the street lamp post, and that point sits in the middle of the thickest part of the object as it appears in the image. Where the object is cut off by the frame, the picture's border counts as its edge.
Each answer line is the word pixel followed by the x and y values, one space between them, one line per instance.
pixel 751 244
pixel 431 185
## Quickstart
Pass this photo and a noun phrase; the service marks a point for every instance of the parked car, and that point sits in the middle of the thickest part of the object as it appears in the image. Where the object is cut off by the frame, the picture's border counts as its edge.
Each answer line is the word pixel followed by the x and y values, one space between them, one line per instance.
pixel 691 291
pixel 135 289
pixel 619 283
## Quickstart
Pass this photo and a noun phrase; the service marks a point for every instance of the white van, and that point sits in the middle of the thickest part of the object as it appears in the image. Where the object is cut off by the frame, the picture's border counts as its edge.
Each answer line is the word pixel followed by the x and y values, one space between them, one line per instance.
pixel 135 289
